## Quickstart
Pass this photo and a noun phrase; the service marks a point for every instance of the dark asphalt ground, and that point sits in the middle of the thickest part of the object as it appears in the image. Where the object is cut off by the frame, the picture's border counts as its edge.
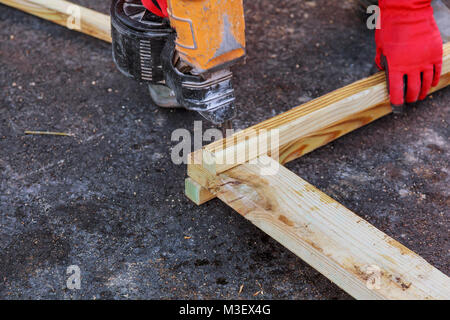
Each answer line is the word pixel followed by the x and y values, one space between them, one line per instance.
pixel 111 201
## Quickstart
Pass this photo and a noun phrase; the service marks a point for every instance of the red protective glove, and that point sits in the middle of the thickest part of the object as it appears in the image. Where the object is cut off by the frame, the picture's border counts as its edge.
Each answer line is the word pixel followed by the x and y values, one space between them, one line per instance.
pixel 409 46
pixel 158 7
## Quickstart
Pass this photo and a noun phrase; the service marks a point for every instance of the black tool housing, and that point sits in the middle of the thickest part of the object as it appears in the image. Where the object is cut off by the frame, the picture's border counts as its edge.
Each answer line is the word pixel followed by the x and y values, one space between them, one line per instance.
pixel 210 94
pixel 138 38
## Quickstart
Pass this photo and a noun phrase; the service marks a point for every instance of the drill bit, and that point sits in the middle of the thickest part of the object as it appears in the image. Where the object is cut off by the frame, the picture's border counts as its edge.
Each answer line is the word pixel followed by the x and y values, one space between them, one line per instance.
pixel 227 126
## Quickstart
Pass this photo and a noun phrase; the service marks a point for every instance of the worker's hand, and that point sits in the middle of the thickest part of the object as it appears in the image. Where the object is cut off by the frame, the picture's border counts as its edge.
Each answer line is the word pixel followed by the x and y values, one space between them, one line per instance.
pixel 409 48
pixel 158 7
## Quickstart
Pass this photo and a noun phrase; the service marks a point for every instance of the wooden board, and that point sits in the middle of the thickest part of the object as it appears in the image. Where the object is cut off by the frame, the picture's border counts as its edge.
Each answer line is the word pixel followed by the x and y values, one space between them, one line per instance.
pixel 342 246
pixel 65 13
pixel 305 143
pixel 313 124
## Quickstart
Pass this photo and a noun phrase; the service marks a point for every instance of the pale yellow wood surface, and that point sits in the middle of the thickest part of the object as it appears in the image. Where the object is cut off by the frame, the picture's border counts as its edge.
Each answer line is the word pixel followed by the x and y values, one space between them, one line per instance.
pixel 65 13
pixel 309 126
pixel 342 246
pixel 307 143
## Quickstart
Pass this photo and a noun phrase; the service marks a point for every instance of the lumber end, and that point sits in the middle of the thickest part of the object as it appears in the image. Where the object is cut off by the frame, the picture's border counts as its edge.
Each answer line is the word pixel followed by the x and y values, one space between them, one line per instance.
pixel 217 162
pixel 208 162
pixel 196 193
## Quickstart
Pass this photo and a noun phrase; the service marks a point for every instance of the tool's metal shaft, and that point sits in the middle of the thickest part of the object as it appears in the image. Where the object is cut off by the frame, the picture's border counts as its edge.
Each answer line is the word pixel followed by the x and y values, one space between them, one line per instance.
pixel 227 126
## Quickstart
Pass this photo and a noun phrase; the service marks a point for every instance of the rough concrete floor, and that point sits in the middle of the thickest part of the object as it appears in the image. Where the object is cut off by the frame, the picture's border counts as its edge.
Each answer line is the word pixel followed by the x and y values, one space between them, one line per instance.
pixel 111 201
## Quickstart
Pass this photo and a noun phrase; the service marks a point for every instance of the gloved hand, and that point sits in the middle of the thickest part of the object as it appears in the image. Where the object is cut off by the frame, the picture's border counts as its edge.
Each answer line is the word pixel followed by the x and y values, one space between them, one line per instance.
pixel 158 7
pixel 409 48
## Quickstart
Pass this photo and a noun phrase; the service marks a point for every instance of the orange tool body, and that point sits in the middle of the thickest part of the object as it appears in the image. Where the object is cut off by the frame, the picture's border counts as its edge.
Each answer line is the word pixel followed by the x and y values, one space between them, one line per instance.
pixel 210 33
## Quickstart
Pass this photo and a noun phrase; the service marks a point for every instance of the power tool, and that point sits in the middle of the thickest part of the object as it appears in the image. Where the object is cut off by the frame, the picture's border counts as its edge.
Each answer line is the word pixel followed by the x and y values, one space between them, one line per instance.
pixel 185 56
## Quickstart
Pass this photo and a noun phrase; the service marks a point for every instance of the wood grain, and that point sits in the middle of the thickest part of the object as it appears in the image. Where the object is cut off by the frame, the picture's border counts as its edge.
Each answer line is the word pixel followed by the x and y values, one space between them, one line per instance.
pixel 311 125
pixel 61 12
pixel 306 143
pixel 342 246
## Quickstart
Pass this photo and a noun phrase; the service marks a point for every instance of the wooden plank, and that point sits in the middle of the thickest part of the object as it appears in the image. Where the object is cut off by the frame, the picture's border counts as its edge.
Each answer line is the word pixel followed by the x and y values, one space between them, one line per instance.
pixel 311 125
pixel 345 248
pixel 196 192
pixel 303 145
pixel 65 13
pixel 200 176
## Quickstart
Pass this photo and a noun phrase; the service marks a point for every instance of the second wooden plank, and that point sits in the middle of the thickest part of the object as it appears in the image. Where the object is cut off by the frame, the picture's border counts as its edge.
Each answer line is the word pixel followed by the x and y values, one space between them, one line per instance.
pixel 345 248
pixel 313 124
pixel 67 14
